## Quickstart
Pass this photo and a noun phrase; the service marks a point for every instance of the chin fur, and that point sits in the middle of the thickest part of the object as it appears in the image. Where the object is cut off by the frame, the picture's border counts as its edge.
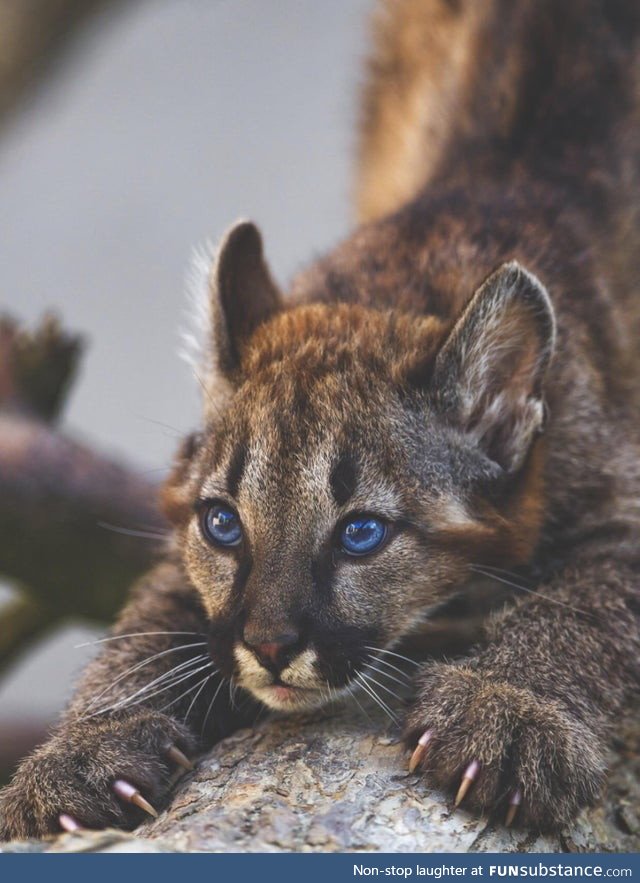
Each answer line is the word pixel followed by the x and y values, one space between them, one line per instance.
pixel 304 700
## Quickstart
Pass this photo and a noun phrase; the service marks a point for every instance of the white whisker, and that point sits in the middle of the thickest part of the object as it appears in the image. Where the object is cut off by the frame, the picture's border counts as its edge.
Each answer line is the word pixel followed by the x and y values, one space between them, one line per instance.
pixel 172 672
pixel 190 690
pixel 232 692
pixel 163 689
pixel 390 665
pixel 358 703
pixel 142 664
pixel 135 635
pixel 493 569
pixel 392 653
pixel 131 532
pixel 215 695
pixel 372 693
pixel 369 677
pixel 387 674
pixel 172 676
pixel 477 569
pixel 195 698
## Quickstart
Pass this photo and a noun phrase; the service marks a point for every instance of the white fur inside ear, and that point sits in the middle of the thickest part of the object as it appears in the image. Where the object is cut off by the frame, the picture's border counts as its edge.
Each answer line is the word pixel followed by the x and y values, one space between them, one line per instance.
pixel 524 417
pixel 197 335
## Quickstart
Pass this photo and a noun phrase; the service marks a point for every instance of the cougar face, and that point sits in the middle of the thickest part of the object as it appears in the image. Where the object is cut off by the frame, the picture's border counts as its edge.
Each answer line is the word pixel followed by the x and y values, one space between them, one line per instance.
pixel 339 492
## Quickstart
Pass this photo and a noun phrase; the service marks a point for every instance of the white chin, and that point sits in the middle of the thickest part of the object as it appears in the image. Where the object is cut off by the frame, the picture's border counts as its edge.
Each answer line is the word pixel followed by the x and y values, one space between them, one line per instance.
pixel 290 698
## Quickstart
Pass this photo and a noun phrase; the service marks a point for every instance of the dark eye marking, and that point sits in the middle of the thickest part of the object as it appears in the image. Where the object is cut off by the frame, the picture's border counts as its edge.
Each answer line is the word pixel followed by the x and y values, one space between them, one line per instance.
pixel 236 468
pixel 343 479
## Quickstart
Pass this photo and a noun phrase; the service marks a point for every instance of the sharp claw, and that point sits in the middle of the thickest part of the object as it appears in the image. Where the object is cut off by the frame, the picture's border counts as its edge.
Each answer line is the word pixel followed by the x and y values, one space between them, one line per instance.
pixel 126 791
pixel 174 754
pixel 68 823
pixel 420 750
pixel 514 802
pixel 468 779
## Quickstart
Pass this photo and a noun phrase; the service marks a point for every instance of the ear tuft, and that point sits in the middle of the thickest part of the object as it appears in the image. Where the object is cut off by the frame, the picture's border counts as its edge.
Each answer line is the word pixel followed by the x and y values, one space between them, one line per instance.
pixel 489 375
pixel 240 296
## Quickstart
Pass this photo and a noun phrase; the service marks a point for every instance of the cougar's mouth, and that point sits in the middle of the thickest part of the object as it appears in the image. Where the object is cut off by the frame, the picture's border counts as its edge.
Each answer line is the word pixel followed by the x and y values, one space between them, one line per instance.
pixel 284 697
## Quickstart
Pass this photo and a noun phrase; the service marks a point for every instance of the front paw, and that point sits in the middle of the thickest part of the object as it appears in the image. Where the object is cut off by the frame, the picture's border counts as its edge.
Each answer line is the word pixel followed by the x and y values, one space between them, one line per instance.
pixel 496 745
pixel 95 773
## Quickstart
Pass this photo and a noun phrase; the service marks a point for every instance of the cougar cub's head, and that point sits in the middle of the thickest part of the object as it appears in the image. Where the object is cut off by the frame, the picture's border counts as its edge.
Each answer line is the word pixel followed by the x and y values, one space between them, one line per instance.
pixel 352 465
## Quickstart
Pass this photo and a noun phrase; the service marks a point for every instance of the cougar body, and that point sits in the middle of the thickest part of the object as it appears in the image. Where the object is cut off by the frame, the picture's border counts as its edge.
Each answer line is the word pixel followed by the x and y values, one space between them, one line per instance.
pixel 450 393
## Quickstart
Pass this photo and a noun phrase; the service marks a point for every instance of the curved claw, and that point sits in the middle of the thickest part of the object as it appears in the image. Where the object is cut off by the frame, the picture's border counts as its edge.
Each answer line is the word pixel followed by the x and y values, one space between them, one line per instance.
pixel 174 754
pixel 126 791
pixel 420 750
pixel 469 777
pixel 514 802
pixel 69 823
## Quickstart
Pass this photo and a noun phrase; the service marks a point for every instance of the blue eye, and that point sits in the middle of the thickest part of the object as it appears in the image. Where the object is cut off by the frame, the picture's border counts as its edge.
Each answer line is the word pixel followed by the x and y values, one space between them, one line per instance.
pixel 363 534
pixel 221 525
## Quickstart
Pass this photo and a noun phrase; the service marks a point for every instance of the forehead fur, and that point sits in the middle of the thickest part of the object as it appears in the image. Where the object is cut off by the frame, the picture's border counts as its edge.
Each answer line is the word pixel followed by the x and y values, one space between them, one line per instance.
pixel 335 337
pixel 318 371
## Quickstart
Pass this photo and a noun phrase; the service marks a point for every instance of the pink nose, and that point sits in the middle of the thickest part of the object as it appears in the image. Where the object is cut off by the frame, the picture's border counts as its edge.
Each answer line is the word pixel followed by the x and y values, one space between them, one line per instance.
pixel 270 651
pixel 274 654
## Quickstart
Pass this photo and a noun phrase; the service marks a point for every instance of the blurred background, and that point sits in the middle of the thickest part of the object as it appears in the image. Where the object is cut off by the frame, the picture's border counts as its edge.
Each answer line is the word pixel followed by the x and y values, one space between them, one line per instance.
pixel 129 133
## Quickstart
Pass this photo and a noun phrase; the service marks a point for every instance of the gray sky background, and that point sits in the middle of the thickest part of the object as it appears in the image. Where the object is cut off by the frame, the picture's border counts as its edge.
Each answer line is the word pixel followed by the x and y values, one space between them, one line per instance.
pixel 165 122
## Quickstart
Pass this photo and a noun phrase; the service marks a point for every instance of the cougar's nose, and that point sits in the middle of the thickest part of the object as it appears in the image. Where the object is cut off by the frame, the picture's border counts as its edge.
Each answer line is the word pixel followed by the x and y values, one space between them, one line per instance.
pixel 275 653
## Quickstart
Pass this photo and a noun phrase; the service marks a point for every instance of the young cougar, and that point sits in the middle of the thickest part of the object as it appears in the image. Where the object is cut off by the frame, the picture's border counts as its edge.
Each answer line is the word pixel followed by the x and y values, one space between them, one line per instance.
pixel 453 390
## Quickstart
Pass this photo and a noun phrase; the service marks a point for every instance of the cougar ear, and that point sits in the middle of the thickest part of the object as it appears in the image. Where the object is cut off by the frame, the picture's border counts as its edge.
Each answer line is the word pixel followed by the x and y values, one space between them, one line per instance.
pixel 243 295
pixel 488 376
pixel 231 295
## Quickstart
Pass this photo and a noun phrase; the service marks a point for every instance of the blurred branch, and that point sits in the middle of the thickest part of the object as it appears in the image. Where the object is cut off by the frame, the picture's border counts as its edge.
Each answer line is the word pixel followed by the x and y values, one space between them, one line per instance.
pixel 55 498
pixel 32 32
pixel 36 369
pixel 21 622
pixel 18 738
pixel 58 497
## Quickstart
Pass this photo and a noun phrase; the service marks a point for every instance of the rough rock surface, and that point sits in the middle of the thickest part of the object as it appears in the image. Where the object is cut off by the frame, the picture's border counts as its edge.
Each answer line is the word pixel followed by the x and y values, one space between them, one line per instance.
pixel 337 782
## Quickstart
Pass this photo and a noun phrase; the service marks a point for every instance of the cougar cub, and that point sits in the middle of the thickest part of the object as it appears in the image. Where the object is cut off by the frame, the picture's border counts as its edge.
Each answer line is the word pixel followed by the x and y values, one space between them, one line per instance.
pixel 453 391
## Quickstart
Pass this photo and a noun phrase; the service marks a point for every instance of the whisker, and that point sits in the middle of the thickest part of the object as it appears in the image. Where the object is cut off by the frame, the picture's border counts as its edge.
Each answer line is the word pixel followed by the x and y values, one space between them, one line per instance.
pixel 171 673
pixel 163 689
pixel 506 582
pixel 501 570
pixel 390 665
pixel 131 532
pixel 215 696
pixel 371 679
pixel 207 394
pixel 372 693
pixel 232 692
pixel 247 699
pixel 195 698
pixel 142 664
pixel 380 702
pixel 174 675
pixel 153 470
pixel 358 703
pixel 136 635
pixel 261 711
pixel 392 653
pixel 178 433
pixel 386 674
pixel 190 690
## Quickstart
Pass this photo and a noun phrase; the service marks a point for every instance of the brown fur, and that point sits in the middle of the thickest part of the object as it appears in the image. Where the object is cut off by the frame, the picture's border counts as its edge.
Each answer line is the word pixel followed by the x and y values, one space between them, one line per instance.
pixel 487 413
